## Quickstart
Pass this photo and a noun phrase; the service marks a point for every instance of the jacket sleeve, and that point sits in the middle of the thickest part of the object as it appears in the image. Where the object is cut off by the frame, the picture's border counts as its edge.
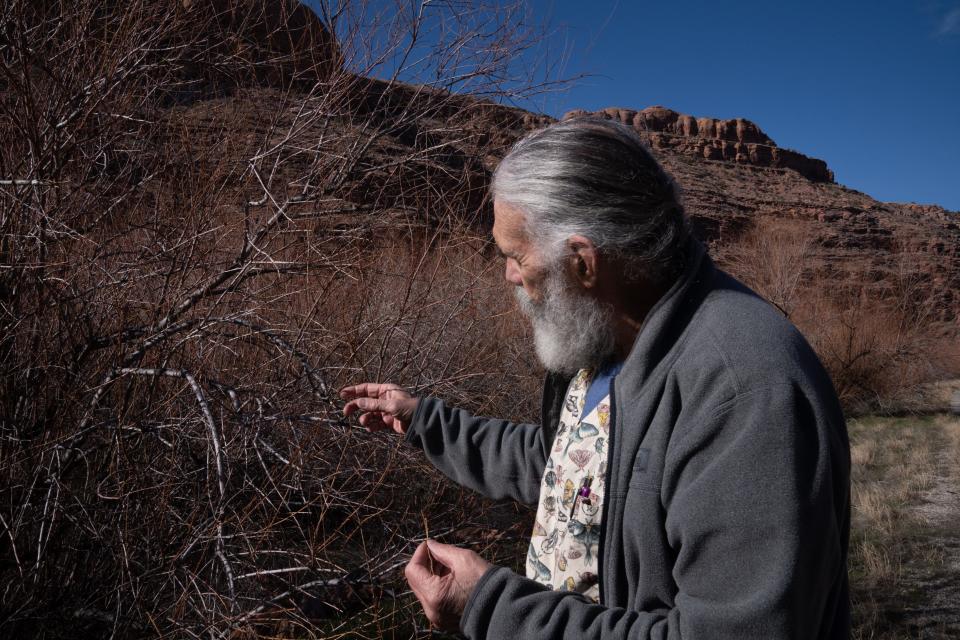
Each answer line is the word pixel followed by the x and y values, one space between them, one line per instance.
pixel 752 518
pixel 497 458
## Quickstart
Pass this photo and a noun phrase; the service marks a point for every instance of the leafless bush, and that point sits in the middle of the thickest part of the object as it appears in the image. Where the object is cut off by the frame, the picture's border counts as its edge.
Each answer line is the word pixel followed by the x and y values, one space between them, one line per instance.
pixel 880 339
pixel 772 256
pixel 204 233
pixel 882 352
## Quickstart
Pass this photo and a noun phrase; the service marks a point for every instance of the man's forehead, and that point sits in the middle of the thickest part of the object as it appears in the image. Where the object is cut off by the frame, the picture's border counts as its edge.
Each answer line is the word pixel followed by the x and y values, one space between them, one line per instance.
pixel 507 223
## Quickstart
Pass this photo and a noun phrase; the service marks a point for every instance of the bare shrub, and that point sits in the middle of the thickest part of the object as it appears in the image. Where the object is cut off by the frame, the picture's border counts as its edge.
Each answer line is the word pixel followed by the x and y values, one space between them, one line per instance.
pixel 879 354
pixel 773 257
pixel 203 236
pixel 881 341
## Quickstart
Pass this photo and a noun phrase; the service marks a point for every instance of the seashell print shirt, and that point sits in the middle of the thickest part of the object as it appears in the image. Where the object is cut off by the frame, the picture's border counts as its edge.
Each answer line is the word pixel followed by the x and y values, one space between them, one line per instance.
pixel 566 536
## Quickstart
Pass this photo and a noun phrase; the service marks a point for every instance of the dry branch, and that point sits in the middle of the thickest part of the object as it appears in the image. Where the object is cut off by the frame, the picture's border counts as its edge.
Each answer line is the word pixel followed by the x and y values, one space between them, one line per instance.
pixel 204 232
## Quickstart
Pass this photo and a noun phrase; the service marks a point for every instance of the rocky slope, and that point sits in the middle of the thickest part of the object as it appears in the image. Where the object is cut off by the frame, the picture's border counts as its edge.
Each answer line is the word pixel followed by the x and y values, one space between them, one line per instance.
pixel 731 174
pixel 728 183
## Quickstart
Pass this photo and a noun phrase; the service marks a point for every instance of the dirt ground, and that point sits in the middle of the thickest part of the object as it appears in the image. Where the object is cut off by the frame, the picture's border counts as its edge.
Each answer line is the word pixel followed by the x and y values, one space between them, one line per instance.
pixel 905 539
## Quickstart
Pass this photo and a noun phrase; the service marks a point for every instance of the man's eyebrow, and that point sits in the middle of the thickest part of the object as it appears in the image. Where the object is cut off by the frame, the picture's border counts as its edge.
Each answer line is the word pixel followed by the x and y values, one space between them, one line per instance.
pixel 501 252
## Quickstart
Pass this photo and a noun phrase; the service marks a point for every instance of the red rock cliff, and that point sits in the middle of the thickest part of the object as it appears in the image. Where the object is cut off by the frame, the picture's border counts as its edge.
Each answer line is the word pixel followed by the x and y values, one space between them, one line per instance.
pixel 736 140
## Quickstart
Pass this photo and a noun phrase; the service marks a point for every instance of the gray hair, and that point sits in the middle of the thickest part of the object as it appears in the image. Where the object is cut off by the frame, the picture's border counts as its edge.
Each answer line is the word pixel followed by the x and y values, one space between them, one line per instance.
pixel 595 177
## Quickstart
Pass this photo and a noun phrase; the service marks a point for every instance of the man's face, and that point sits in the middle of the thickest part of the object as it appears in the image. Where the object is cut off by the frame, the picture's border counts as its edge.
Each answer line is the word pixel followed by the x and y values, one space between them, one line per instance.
pixel 524 265
pixel 572 329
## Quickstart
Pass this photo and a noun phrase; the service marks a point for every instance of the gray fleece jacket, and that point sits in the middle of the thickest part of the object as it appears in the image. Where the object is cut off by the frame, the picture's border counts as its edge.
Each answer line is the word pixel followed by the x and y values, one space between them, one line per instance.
pixel 727 506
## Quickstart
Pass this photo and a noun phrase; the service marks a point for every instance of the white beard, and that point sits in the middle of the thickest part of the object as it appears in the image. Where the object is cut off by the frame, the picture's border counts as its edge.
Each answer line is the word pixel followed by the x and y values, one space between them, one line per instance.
pixel 571 331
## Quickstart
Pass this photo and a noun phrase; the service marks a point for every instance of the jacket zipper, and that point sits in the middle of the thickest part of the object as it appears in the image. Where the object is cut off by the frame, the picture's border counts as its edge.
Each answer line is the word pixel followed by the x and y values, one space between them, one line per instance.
pixel 608 494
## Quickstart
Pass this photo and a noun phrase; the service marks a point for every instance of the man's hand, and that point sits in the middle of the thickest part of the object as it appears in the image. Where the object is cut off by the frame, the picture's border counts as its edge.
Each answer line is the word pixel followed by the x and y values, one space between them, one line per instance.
pixel 384 406
pixel 443 577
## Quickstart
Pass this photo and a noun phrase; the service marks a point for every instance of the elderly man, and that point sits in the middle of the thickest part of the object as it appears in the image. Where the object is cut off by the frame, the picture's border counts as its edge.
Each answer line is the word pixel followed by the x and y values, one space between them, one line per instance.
pixel 691 467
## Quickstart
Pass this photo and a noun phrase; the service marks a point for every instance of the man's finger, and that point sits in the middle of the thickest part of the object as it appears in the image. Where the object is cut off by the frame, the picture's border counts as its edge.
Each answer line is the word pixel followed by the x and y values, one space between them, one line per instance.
pixel 363 404
pixel 418 569
pixel 366 390
pixel 374 421
pixel 447 554
pixel 421 556
pixel 350 408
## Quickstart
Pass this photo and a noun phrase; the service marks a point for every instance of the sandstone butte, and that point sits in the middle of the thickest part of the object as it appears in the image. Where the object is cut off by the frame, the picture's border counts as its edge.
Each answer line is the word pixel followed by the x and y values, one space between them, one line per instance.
pixel 731 173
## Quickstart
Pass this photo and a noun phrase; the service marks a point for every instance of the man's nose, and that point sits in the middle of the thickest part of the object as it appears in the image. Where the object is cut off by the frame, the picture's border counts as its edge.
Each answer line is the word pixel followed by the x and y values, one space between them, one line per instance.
pixel 513 274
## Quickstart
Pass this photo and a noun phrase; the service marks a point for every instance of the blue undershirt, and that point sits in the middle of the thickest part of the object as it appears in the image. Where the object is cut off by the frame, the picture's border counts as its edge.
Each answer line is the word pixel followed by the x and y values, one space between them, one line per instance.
pixel 600 386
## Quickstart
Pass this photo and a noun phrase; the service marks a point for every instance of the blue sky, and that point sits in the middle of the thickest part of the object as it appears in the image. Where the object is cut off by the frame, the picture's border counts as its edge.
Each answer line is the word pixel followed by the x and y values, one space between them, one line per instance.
pixel 873 88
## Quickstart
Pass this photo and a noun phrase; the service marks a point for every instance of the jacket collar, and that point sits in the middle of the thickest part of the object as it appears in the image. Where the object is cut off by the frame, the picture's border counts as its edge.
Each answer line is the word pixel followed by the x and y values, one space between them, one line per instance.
pixel 668 318
pixel 660 331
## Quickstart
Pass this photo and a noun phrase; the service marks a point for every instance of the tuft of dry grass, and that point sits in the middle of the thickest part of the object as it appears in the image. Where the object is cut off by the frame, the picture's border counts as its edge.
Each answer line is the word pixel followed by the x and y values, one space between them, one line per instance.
pixel 901 521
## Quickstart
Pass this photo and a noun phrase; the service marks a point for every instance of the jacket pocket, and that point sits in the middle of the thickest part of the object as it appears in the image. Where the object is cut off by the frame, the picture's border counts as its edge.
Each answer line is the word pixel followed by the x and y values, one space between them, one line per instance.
pixel 643 476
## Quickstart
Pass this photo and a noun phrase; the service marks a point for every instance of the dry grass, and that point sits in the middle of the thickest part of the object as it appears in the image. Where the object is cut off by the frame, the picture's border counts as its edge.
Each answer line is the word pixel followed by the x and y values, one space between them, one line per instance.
pixel 897 556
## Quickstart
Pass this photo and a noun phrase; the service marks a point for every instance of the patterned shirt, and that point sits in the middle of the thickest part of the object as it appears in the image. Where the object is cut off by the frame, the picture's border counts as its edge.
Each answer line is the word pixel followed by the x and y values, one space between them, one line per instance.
pixel 566 537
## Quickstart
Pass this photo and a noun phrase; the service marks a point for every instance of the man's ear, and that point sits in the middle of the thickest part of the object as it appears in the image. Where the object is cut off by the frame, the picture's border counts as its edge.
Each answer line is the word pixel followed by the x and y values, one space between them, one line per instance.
pixel 584 260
